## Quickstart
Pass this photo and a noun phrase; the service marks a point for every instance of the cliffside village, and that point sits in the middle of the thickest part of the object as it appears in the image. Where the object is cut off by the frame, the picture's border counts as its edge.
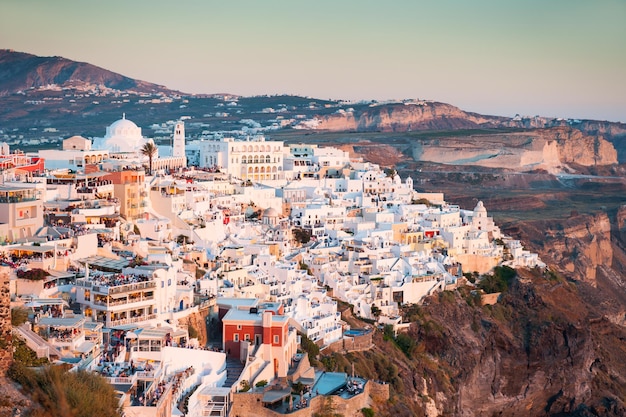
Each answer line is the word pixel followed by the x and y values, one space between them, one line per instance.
pixel 115 244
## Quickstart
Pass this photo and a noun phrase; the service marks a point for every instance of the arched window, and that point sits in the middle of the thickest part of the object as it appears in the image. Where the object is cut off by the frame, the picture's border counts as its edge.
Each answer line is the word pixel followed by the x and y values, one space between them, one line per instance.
pixel 243 159
pixel 267 159
pixel 256 159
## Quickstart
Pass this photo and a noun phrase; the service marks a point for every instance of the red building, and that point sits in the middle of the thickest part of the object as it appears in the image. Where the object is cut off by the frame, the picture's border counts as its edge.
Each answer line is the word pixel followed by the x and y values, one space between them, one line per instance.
pixel 262 331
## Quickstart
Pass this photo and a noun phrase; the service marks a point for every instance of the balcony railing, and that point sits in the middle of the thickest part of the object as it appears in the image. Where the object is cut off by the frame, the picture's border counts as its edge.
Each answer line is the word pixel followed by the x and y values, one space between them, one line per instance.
pixel 132 320
pixel 122 301
pixel 118 289
pixel 16 199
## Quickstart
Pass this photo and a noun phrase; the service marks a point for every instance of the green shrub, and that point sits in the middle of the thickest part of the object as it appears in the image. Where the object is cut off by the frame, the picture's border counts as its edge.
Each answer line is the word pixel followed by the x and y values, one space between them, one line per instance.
pixel 261 383
pixel 405 343
pixel 193 333
pixel 310 348
pixel 245 386
pixel 19 316
pixel 24 355
pixel 500 281
pixel 367 412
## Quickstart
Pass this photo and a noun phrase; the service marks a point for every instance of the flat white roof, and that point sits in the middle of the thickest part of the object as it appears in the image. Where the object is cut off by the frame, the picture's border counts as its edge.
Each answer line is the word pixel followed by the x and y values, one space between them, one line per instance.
pixel 75 321
pixel 229 302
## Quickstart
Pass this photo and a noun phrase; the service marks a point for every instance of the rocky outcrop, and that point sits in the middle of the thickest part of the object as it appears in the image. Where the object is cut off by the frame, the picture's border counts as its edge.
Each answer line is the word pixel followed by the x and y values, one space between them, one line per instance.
pixel 197 321
pixel 544 349
pixel 550 149
pixel 6 334
pixel 620 220
pixel 402 117
pixel 577 246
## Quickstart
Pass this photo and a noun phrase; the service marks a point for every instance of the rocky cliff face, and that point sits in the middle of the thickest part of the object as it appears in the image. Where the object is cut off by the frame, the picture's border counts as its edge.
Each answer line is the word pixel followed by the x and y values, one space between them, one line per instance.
pixel 550 149
pixel 405 117
pixel 198 322
pixel 577 246
pixel 552 345
pixel 543 350
pixel 588 249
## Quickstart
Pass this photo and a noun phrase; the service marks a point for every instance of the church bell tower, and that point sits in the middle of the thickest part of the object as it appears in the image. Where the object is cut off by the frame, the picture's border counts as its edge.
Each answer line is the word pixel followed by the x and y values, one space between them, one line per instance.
pixel 179 140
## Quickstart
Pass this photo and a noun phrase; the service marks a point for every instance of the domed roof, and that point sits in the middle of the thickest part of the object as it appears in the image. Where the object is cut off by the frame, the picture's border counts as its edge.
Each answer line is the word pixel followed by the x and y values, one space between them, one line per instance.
pixel 123 123
pixel 480 208
pixel 270 212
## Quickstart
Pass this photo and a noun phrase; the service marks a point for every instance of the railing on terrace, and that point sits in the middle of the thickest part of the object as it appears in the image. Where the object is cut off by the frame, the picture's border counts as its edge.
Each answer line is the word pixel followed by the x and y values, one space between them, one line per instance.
pixel 146 348
pixel 132 320
pixel 122 302
pixel 117 289
pixel 425 278
pixel 149 375
pixel 70 339
pixel 165 394
pixel 122 380
pixel 16 199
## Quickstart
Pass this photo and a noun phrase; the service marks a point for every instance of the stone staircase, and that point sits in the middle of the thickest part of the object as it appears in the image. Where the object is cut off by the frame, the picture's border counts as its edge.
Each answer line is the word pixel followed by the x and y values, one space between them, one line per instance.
pixel 234 367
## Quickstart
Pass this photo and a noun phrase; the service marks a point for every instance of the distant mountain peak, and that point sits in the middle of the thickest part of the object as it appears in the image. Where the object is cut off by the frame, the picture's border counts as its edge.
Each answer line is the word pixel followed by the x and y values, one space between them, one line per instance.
pixel 22 71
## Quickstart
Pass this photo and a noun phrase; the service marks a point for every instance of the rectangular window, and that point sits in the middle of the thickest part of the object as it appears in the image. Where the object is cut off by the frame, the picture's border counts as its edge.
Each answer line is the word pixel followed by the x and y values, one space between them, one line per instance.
pixel 246 337
pixel 236 337
pixel 239 327
pixel 275 339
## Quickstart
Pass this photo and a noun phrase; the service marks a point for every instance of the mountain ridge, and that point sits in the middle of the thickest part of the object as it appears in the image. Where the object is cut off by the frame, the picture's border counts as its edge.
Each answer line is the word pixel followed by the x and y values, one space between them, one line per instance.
pixel 22 71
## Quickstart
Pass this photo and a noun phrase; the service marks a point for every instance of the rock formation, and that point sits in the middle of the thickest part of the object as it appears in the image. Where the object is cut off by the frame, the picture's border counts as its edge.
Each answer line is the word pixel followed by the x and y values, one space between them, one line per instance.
pixel 550 149
pixel 422 115
pixel 6 332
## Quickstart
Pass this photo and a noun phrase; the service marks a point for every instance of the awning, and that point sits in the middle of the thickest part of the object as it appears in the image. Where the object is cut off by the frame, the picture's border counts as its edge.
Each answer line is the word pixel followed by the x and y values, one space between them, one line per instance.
pixel 39 302
pixel 32 248
pixel 64 322
pixel 126 327
pixel 85 347
pixel 109 264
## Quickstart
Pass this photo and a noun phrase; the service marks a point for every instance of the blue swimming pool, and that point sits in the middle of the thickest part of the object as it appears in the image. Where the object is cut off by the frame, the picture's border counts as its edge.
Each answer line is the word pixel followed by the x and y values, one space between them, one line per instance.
pixel 329 382
pixel 355 332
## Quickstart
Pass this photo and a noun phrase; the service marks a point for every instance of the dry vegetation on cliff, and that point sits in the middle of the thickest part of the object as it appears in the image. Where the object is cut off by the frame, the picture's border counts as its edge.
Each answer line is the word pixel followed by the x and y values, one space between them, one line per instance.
pixel 543 350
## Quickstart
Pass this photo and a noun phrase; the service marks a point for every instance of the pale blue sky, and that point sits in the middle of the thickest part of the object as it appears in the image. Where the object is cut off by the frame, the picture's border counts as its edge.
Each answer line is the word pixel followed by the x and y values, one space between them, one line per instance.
pixel 563 58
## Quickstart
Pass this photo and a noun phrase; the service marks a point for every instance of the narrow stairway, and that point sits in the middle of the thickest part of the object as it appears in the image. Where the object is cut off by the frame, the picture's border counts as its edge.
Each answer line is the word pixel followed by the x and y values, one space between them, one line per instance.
pixel 234 367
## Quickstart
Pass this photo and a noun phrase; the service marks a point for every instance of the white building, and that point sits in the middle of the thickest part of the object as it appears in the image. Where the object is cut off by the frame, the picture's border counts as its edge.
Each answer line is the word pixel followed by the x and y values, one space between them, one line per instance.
pixel 77 152
pixel 122 136
pixel 255 159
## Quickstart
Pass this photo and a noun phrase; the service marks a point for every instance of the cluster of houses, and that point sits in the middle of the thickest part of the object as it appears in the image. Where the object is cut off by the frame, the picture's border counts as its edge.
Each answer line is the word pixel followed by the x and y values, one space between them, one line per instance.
pixel 111 259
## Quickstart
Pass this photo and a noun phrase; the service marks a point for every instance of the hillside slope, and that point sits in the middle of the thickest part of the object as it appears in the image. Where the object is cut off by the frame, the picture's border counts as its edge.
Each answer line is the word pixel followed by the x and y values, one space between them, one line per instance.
pixel 21 71
pixel 543 350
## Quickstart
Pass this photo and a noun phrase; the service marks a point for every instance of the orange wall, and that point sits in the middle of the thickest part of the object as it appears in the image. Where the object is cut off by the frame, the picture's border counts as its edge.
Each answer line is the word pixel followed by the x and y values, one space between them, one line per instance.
pixel 126 177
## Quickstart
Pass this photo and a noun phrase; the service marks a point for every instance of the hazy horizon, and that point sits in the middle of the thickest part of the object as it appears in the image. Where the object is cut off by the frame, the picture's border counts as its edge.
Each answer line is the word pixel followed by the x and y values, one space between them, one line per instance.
pixel 555 59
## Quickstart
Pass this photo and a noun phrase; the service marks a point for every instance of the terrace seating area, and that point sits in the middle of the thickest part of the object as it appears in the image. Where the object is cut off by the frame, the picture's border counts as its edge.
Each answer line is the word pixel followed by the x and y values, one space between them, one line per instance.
pixel 114 280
